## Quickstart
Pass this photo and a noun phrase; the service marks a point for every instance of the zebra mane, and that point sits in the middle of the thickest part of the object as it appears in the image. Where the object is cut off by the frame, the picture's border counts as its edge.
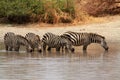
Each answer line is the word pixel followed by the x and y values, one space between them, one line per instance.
pixel 87 33
pixel 38 37
pixel 98 35
pixel 30 33
pixel 50 33
pixel 22 37
pixel 9 33
pixel 67 37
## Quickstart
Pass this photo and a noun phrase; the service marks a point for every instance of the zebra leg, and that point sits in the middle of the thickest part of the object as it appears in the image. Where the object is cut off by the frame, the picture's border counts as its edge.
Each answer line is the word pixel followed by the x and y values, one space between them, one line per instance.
pixel 85 47
pixel 10 48
pixel 66 49
pixel 39 50
pixel 69 48
pixel 33 49
pixel 58 49
pixel 72 49
pixel 49 48
pixel 44 47
pixel 6 47
pixel 62 48
pixel 17 48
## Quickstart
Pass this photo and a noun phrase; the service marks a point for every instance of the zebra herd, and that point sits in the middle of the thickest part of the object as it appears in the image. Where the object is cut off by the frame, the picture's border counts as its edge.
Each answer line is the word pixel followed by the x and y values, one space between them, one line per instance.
pixel 66 41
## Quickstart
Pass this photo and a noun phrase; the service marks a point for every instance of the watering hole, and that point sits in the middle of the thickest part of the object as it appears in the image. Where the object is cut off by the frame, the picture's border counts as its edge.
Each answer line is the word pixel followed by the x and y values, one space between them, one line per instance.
pixel 95 64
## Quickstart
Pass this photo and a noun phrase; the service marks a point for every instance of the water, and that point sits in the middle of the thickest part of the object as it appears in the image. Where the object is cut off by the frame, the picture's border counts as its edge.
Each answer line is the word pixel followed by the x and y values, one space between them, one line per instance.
pixel 96 64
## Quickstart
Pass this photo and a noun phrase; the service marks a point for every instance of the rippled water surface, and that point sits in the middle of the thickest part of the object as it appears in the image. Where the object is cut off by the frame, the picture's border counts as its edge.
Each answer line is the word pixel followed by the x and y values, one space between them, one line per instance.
pixel 94 65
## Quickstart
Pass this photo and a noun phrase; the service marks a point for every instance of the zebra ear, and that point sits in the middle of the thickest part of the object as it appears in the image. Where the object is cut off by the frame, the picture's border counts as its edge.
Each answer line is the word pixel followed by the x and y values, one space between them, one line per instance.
pixel 103 37
pixel 37 35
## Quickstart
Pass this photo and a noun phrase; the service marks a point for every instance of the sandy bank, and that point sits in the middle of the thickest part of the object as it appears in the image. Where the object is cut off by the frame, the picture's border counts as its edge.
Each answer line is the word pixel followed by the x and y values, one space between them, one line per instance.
pixel 111 30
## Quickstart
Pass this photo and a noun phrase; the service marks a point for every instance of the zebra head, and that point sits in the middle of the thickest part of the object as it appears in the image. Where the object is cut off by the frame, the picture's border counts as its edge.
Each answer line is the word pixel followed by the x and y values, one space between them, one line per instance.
pixel 69 45
pixel 29 49
pixel 40 47
pixel 21 40
pixel 104 44
pixel 28 46
pixel 39 43
pixel 96 38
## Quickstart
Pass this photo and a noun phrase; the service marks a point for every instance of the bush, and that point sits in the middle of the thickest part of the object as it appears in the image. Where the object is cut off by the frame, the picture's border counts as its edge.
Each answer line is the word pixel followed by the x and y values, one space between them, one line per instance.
pixel 22 11
pixel 53 11
pixel 99 7
pixel 58 11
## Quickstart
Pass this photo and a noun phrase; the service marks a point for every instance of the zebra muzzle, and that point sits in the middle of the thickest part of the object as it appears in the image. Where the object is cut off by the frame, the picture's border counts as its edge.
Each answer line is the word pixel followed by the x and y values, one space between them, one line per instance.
pixel 72 50
pixel 107 48
pixel 40 50
pixel 31 50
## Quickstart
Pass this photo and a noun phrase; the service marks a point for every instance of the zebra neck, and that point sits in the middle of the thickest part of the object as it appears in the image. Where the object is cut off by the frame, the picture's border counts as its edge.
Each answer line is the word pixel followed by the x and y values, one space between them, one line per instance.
pixel 23 42
pixel 95 41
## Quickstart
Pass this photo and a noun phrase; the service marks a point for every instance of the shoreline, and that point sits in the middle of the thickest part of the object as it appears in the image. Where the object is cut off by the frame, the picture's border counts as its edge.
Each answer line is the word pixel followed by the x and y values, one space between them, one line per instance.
pixel 110 30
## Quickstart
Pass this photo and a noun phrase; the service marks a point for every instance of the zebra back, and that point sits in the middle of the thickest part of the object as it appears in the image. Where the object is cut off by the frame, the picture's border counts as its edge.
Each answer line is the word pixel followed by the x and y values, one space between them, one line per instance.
pixel 48 37
pixel 20 40
pixel 78 39
pixel 56 41
pixel 9 35
pixel 33 39
pixel 13 41
pixel 95 38
pixel 8 38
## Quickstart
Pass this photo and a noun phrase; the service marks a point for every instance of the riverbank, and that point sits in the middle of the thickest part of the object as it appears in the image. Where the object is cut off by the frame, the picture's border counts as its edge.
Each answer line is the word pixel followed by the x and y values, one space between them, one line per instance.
pixel 110 30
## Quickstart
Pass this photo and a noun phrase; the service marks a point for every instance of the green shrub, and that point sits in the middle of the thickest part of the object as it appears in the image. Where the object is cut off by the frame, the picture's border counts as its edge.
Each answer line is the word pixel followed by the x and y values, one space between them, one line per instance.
pixel 53 11
pixel 20 11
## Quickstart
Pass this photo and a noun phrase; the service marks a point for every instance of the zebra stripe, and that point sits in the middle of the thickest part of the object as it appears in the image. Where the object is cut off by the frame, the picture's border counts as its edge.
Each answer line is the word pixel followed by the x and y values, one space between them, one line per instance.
pixel 34 41
pixel 78 39
pixel 55 41
pixel 13 42
pixel 8 40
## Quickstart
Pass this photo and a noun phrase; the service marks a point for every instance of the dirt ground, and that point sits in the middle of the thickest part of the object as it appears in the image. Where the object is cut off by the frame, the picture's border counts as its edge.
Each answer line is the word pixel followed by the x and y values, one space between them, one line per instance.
pixel 109 28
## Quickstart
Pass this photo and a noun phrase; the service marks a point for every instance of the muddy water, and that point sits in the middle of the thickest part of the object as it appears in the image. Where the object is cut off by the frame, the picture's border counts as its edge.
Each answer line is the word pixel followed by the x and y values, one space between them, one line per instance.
pixel 95 64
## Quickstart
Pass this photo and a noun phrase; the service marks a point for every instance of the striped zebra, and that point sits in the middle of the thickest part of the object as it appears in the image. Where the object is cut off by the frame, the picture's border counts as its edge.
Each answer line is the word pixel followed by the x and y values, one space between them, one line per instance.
pixel 13 42
pixel 78 39
pixel 34 41
pixel 54 41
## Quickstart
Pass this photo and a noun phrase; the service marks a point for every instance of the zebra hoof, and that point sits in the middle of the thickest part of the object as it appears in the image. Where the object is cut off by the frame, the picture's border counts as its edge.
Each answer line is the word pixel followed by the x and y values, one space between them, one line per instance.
pixel 106 49
pixel 40 50
pixel 72 50
pixel 31 51
pixel 49 49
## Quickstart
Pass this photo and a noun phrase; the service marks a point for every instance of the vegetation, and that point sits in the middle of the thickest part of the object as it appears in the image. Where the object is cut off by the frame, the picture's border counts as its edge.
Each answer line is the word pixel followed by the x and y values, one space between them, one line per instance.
pixel 52 11
pixel 102 7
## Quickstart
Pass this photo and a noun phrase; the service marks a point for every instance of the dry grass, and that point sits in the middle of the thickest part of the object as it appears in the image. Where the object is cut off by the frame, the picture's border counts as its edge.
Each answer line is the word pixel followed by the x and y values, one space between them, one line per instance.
pixel 90 20
pixel 56 11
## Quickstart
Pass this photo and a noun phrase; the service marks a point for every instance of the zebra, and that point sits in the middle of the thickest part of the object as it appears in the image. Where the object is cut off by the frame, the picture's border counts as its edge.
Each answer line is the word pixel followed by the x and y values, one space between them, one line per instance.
pixel 8 40
pixel 55 41
pixel 34 41
pixel 79 39
pixel 13 42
